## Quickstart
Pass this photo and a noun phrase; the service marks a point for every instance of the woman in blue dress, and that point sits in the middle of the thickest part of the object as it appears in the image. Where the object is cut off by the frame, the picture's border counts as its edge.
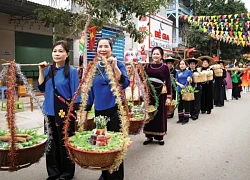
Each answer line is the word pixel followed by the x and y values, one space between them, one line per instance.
pixel 103 99
pixel 60 80
pixel 183 79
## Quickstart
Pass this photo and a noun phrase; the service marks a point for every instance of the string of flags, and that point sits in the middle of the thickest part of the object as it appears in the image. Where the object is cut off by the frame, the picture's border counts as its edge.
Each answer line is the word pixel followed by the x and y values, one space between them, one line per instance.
pixel 231 29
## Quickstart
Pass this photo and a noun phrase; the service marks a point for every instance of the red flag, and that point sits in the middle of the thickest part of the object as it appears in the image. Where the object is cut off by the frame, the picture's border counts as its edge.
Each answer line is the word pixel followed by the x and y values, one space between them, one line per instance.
pixel 92 36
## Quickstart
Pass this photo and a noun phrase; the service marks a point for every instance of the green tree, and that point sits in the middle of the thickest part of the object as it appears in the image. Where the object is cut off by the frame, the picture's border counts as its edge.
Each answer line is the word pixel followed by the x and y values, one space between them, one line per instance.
pixel 205 43
pixel 100 13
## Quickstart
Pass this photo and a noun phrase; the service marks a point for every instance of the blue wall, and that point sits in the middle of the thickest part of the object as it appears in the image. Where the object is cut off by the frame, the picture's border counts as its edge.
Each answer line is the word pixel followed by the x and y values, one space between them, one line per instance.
pixel 118 47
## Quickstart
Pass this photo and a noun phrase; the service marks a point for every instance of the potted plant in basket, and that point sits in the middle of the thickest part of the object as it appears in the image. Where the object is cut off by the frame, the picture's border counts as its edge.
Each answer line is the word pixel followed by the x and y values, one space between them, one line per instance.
pixel 101 124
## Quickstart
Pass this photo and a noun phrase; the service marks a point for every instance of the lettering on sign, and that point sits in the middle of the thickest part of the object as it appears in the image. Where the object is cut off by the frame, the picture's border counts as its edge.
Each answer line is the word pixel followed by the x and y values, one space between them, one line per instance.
pixel 161 32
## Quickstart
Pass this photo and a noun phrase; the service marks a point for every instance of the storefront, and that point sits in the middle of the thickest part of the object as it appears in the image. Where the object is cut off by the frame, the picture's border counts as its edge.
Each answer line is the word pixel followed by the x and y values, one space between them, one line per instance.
pixel 160 32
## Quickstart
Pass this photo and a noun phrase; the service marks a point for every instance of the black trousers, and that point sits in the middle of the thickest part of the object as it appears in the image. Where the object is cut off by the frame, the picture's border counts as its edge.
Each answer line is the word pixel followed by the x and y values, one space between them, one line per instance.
pixel 113 125
pixel 58 163
pixel 235 91
pixel 195 105
pixel 183 110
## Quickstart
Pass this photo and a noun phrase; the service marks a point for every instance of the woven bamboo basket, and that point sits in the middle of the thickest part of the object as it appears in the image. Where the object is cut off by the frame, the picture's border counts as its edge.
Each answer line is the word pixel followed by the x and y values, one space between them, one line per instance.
pixel 135 126
pixel 209 75
pixel 151 114
pixel 188 96
pixel 199 77
pixel 24 157
pixel 216 66
pixel 93 160
pixel 218 72
pixel 137 102
pixel 170 109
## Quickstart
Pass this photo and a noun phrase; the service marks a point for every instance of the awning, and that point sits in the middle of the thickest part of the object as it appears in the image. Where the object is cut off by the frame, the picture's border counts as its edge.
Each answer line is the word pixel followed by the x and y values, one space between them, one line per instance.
pixel 24 9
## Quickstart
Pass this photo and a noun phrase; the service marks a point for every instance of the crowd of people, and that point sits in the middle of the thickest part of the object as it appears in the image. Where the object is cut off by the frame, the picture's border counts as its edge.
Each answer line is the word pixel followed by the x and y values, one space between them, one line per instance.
pixel 178 74
pixel 169 77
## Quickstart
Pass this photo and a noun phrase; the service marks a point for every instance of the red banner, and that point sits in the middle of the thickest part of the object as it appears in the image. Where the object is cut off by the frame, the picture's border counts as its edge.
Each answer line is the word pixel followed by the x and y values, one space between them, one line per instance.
pixel 92 36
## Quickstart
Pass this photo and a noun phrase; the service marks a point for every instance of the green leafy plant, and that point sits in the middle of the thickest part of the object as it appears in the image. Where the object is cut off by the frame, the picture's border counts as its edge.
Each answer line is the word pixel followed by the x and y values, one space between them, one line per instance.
pixel 101 122
pixel 103 13
pixel 174 102
pixel 189 89
pixel 91 113
pixel 80 141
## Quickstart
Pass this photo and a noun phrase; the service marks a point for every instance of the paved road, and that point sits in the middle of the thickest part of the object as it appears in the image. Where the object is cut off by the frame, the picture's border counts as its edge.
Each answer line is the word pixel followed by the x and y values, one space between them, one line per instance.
pixel 215 147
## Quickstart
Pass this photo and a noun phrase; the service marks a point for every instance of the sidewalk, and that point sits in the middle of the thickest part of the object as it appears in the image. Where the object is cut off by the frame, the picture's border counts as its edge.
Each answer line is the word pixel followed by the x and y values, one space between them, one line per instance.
pixel 25 119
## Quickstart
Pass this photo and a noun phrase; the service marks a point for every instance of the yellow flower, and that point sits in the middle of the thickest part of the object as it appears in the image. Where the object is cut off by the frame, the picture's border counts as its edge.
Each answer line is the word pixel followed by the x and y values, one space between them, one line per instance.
pixel 61 113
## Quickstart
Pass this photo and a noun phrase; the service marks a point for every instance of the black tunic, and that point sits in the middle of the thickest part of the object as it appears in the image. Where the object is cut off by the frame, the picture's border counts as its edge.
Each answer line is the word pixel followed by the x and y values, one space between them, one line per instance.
pixel 219 90
pixel 207 95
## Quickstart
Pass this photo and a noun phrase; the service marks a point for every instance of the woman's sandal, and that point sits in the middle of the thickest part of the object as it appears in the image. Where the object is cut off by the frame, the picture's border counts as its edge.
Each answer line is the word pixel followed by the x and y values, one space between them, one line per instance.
pixel 161 142
pixel 148 141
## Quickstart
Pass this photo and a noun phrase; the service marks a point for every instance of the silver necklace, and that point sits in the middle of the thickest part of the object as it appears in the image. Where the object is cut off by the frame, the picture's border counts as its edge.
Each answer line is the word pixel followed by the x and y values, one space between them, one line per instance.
pixel 156 68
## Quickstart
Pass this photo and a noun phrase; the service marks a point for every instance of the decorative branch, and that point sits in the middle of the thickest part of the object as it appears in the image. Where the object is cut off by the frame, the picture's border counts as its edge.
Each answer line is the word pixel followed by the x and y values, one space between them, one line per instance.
pixel 36 99
pixel 122 114
pixel 11 82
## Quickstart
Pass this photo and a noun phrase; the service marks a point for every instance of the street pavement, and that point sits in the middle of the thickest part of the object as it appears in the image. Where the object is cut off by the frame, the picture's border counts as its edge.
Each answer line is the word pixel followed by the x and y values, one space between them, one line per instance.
pixel 215 147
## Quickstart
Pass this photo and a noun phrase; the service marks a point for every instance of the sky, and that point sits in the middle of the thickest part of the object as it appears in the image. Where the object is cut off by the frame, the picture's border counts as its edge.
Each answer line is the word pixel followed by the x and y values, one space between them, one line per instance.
pixel 247 4
pixel 58 4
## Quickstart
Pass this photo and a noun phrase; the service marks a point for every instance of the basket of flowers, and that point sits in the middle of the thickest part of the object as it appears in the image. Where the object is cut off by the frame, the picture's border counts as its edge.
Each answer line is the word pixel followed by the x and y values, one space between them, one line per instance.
pixel 29 148
pixel 98 149
pixel 137 119
pixel 171 107
pixel 188 93
pixel 139 113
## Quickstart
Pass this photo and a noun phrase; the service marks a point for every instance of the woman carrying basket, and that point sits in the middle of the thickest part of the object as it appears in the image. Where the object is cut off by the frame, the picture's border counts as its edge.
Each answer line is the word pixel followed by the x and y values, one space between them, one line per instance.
pixel 183 79
pixel 219 86
pixel 103 99
pixel 59 82
pixel 195 105
pixel 207 87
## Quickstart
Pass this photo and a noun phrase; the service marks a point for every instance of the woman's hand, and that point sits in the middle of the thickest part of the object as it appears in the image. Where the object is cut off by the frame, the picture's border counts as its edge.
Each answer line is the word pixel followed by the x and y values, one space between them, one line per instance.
pixel 189 79
pixel 181 86
pixel 43 65
pixel 113 62
pixel 168 101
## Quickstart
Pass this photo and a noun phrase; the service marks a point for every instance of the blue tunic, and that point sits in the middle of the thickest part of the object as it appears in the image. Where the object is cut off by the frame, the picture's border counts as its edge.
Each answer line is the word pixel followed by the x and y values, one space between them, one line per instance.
pixel 65 86
pixel 181 77
pixel 100 94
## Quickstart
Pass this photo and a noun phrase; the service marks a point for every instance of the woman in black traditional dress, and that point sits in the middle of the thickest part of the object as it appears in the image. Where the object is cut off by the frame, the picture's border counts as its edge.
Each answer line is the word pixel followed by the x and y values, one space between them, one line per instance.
pixel 207 87
pixel 195 105
pixel 159 76
pixel 171 62
pixel 219 87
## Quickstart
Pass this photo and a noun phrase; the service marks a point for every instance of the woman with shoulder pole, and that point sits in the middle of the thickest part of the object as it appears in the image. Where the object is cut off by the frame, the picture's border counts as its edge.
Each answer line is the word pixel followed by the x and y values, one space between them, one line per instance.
pixel 159 75
pixel 60 80
pixel 103 99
